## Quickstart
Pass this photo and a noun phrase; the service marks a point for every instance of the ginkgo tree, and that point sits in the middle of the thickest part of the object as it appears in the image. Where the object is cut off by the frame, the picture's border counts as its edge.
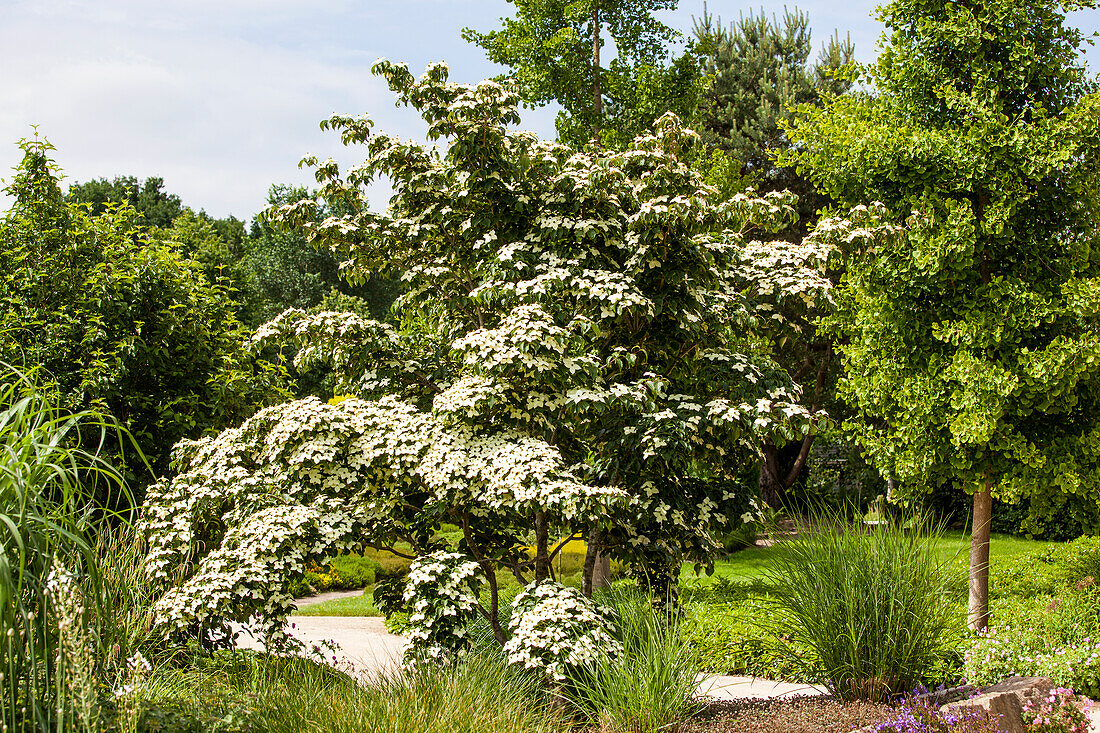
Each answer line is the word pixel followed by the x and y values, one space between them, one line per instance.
pixel 970 350
pixel 580 349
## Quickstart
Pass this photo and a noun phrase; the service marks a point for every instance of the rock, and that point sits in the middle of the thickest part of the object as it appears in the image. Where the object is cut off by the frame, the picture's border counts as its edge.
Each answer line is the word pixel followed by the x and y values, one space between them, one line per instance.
pixel 1006 700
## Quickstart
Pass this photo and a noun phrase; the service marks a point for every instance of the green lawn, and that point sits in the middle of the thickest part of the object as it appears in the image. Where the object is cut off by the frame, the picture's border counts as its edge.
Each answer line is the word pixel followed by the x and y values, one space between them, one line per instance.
pixel 360 605
pixel 954 547
pixel 745 565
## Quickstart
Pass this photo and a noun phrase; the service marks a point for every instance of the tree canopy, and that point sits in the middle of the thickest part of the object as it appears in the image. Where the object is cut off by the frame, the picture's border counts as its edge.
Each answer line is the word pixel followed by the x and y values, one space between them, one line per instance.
pixel 119 321
pixel 154 206
pixel 758 72
pixel 970 347
pixel 553 48
pixel 577 346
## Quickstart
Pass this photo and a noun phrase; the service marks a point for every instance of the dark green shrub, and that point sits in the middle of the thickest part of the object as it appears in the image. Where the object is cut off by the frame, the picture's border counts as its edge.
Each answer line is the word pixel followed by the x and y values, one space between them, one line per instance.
pixel 343 572
pixel 354 572
pixel 119 321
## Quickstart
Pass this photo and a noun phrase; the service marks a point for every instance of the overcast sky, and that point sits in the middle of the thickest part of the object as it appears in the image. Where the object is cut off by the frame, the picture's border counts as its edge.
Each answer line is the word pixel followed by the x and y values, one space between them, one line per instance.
pixel 222 98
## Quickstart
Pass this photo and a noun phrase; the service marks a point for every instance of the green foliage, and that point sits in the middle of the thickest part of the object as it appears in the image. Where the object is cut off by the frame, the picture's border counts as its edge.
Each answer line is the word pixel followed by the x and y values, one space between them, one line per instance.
pixel 969 345
pixel 1051 570
pixel 870 603
pixel 49 574
pixel 650 686
pixel 240 691
pixel 734 638
pixel 549 47
pixel 343 572
pixel 356 606
pixel 1055 636
pixel 217 248
pixel 120 321
pixel 155 207
pixel 758 72
pixel 281 270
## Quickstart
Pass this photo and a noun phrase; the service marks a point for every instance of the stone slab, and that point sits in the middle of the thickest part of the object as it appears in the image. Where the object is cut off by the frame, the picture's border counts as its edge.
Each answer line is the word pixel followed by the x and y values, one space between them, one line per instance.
pixel 1006 700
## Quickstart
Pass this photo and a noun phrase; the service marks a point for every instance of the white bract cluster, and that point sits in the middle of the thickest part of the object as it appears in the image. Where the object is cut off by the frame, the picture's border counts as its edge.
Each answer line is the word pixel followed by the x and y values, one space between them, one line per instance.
pixel 252 507
pixel 555 628
pixel 442 595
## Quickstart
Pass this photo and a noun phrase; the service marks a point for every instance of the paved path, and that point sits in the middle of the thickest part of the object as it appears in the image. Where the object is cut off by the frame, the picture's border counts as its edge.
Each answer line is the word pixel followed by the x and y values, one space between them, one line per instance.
pixel 327 596
pixel 365 646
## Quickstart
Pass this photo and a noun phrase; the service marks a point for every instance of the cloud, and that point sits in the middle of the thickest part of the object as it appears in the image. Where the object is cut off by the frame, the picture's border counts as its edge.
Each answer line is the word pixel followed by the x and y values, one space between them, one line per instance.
pixel 221 98
pixel 220 116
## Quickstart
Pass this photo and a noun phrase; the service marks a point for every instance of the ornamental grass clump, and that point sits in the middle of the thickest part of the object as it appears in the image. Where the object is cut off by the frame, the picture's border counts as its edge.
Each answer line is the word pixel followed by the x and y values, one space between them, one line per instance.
pixel 651 684
pixel 245 691
pixel 869 604
pixel 49 572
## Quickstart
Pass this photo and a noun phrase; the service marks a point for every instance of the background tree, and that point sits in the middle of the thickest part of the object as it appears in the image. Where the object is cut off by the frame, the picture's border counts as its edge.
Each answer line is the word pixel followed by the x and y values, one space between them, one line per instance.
pixel 970 348
pixel 116 320
pixel 757 72
pixel 282 269
pixel 555 51
pixel 155 207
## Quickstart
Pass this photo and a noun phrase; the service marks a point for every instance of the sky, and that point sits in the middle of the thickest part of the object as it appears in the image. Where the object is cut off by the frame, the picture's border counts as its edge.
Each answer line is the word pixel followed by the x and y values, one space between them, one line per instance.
pixel 222 98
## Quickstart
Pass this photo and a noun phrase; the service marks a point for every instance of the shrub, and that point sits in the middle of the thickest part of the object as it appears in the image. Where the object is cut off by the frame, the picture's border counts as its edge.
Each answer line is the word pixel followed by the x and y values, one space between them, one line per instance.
pixel 1050 636
pixel 650 685
pixel 442 596
pixel 343 572
pixel 870 604
pixel 555 630
pixel 119 321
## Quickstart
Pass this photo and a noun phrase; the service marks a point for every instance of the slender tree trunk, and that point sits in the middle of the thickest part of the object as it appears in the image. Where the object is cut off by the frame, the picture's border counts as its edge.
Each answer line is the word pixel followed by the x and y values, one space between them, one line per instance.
pixel 542 537
pixel 597 92
pixel 493 614
pixel 597 567
pixel 774 481
pixel 978 616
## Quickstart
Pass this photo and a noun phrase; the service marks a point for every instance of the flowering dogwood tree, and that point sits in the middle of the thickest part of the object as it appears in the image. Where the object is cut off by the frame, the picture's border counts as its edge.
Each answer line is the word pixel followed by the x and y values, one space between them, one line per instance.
pixel 581 347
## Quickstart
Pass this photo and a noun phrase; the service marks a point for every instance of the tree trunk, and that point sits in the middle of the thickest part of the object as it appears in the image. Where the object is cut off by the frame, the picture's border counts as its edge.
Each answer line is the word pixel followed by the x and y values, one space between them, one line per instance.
pixel 978 616
pixel 597 567
pixel 774 481
pixel 542 556
pixel 771 486
pixel 597 92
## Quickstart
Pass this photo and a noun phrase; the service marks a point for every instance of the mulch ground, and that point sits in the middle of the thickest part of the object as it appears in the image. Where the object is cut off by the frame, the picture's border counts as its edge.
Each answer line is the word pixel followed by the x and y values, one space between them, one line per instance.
pixel 789 715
